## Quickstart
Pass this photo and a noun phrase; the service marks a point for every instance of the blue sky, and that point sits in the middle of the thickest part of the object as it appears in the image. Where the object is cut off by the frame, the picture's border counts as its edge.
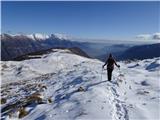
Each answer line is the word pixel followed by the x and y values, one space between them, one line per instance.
pixel 99 20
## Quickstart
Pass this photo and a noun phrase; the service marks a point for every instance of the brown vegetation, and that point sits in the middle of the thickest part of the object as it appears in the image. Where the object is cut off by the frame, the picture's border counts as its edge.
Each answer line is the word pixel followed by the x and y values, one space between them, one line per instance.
pixel 35 98
pixel 3 100
pixel 22 112
pixel 80 89
pixel 49 100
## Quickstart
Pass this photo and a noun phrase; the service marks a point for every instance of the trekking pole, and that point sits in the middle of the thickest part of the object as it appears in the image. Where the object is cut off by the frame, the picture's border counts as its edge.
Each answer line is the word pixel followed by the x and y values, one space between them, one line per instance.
pixel 119 70
pixel 101 74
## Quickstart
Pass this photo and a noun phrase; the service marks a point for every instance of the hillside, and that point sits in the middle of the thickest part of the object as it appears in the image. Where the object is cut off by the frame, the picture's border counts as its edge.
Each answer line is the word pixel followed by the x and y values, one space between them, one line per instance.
pixel 141 52
pixel 13 46
pixel 62 85
pixel 38 54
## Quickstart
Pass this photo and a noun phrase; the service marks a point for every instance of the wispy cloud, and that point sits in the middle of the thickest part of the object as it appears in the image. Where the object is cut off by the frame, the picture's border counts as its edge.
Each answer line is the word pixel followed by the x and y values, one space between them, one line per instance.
pixel 144 36
pixel 154 36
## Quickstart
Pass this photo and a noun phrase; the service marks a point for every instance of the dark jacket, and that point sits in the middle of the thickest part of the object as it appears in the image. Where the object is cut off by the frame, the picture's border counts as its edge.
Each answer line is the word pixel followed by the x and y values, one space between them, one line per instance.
pixel 110 63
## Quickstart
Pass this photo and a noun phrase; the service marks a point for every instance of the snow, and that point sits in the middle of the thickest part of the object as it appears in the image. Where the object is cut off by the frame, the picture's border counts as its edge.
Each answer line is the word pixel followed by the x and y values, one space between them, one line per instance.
pixel 38 36
pixel 132 94
pixel 63 36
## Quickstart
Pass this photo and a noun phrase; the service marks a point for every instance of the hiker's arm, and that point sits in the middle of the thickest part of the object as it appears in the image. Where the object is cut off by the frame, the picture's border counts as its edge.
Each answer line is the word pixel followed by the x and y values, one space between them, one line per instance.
pixel 116 64
pixel 105 63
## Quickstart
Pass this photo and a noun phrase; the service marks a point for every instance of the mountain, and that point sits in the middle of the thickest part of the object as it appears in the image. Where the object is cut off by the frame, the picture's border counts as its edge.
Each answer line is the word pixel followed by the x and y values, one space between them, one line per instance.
pixel 18 46
pixel 13 46
pixel 63 85
pixel 115 49
pixel 141 52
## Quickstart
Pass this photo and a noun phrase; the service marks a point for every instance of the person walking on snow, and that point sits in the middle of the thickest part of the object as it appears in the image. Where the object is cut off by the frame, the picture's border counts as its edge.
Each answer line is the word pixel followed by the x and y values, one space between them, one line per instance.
pixel 110 66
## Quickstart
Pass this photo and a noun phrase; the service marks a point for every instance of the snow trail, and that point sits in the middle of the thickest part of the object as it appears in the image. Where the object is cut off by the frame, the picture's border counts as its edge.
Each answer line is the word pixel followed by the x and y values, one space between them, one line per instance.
pixel 100 99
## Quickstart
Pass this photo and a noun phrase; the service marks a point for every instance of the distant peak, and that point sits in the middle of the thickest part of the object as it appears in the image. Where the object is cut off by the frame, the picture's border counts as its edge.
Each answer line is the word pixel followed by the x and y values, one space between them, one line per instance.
pixel 62 36
pixel 38 36
pixel 41 36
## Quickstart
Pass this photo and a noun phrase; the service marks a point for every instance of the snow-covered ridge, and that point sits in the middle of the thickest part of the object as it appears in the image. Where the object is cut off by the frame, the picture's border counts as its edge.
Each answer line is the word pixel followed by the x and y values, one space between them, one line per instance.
pixel 42 36
pixel 38 36
pixel 133 94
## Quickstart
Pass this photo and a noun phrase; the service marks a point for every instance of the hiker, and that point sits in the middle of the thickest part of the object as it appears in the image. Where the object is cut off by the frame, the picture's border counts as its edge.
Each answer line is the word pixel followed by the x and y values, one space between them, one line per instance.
pixel 110 66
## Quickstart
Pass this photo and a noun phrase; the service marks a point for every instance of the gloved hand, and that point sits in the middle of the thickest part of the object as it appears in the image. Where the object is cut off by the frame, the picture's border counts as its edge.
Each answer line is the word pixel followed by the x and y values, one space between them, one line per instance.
pixel 118 66
pixel 102 66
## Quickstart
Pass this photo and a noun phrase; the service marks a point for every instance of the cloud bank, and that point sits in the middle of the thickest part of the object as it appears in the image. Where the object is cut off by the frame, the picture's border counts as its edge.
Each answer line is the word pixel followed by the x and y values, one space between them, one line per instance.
pixel 154 36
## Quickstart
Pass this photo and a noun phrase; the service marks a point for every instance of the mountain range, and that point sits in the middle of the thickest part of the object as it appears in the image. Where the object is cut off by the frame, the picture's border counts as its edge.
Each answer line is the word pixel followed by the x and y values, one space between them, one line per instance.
pixel 14 47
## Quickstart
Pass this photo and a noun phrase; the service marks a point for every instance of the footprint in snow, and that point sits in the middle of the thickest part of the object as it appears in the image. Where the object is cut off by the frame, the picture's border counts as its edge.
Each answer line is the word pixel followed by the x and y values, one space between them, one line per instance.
pixel 89 101
pixel 153 98
pixel 144 104
pixel 102 108
pixel 130 106
pixel 144 83
pixel 125 98
pixel 142 92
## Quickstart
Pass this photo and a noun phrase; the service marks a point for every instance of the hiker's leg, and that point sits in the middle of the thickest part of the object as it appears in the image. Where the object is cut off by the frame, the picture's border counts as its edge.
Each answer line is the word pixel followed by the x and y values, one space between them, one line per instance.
pixel 109 74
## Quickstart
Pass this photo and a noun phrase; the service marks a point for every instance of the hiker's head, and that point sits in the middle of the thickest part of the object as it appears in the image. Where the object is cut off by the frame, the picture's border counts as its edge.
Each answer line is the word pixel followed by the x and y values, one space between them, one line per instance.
pixel 110 55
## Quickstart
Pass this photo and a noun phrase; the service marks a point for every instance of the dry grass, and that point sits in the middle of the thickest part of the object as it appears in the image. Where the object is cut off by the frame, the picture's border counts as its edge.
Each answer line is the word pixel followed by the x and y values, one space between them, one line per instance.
pixel 44 87
pixel 39 85
pixel 80 89
pixel 4 66
pixel 50 100
pixel 35 98
pixel 22 112
pixel 3 100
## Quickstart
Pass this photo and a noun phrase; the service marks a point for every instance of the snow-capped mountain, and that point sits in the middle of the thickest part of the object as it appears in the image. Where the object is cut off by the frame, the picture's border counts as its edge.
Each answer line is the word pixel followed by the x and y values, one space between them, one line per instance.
pixel 62 85
pixel 44 36
pixel 41 36
pixel 13 46
pixel 38 36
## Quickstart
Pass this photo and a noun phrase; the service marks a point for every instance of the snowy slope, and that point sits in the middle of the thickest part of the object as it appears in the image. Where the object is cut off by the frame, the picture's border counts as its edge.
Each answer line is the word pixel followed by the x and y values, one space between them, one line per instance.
pixel 133 93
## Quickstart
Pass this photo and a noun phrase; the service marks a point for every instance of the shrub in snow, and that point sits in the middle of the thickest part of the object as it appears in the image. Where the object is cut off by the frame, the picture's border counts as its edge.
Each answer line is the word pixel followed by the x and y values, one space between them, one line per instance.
pixel 44 87
pixel 4 66
pixel 35 98
pixel 144 83
pixel 22 112
pixel 80 89
pixel 3 100
pixel 50 100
